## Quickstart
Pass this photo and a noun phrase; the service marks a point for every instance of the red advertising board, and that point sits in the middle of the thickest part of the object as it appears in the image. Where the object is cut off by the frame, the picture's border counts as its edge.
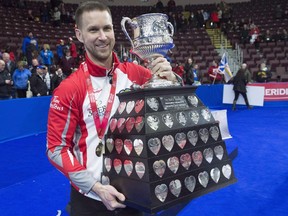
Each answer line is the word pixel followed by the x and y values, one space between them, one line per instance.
pixel 274 91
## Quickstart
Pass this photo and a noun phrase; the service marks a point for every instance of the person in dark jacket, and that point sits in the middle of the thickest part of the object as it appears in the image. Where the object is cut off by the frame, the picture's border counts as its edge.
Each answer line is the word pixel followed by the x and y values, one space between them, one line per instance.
pixel 37 83
pixel 5 82
pixel 240 81
pixel 188 72
pixel 57 79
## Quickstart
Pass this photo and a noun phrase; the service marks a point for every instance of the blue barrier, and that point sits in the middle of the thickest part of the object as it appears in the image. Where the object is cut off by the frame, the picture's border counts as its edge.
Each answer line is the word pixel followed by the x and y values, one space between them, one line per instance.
pixel 23 117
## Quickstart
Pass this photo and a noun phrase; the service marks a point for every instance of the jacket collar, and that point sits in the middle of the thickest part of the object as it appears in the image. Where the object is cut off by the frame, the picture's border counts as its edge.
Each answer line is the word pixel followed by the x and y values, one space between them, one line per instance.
pixel 99 71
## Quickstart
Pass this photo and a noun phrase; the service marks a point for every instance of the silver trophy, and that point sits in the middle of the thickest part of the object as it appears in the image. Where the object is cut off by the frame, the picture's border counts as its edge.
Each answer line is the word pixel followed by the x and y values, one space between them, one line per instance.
pixel 152 37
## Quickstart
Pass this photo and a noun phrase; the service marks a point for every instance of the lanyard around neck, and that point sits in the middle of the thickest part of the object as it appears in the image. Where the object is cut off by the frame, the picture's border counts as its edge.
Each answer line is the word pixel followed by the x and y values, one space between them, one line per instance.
pixel 100 126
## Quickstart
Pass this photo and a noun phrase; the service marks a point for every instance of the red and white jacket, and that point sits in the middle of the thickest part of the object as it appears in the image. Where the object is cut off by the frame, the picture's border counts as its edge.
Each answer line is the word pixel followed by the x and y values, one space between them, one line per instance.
pixel 72 136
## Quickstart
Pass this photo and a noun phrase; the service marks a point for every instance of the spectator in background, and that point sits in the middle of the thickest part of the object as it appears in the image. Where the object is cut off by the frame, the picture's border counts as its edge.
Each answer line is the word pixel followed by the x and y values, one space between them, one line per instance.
pixel 47 78
pixel 264 74
pixel 38 85
pixel 200 19
pixel 5 82
pixel 57 79
pixel 254 35
pixel 11 53
pixel 44 13
pixel 47 56
pixel 20 79
pixel 196 75
pixel 56 17
pixel 67 63
pixel 240 81
pixel 179 69
pixel 60 46
pixel 244 34
pixel 27 41
pixel 73 49
pixel 214 19
pixel 30 15
pixel 10 65
pixel 125 58
pixel 34 65
pixel 159 7
pixel 30 51
pixel 267 36
pixel 188 67
pixel 206 16
pixel 171 6
pixel 214 75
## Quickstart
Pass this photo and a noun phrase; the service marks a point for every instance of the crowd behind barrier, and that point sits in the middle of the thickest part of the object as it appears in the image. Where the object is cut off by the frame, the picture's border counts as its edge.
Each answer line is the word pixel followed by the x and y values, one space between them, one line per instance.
pixel 42 34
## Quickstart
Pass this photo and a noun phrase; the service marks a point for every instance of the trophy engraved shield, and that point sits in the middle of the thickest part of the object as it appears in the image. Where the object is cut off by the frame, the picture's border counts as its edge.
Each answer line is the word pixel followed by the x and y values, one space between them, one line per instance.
pixel 165 145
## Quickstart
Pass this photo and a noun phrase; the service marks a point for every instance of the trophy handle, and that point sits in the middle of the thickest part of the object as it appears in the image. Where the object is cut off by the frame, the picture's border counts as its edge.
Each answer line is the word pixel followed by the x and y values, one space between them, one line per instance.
pixel 170 26
pixel 123 22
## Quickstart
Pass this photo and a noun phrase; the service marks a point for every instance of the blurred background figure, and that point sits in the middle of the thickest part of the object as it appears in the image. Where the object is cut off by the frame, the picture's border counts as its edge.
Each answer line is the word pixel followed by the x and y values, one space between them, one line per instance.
pixel 240 80
pixel 178 69
pixel 57 79
pixel 5 82
pixel 20 79
pixel 264 74
pixel 38 85
pixel 67 63
pixel 213 73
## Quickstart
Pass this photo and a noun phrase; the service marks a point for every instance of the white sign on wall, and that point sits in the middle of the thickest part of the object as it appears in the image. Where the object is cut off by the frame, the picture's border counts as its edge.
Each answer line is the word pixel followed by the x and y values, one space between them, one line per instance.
pixel 255 95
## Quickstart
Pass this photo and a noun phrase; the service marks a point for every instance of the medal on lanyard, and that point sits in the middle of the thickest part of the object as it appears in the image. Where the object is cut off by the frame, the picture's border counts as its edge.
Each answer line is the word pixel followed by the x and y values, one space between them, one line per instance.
pixel 100 126
pixel 99 149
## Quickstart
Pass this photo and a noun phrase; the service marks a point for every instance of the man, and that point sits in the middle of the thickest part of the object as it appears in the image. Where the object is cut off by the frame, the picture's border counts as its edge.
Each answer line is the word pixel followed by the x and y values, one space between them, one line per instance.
pixel 27 41
pixel 240 80
pixel 80 112
pixel 73 49
pixel 215 76
pixel 38 85
pixel 10 67
pixel 57 79
pixel 5 82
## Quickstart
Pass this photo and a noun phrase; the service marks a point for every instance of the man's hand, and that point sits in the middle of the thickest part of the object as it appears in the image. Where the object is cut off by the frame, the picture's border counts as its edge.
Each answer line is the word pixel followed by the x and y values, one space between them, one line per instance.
pixel 109 196
pixel 161 67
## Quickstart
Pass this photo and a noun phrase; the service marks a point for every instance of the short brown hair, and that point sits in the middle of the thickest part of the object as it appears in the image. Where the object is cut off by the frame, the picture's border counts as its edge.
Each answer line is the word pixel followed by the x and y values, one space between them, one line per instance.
pixel 87 7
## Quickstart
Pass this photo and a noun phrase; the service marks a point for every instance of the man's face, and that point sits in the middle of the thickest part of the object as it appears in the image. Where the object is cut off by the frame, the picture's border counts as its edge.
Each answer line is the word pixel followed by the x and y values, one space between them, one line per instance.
pixel 97 35
pixel 6 58
pixel 30 34
pixel 34 62
pixel 2 66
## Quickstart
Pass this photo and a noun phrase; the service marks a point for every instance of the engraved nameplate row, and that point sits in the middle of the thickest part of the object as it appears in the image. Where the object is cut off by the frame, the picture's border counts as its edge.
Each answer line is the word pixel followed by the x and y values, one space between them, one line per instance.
pixel 161 117
pixel 164 142
pixel 177 162
pixel 165 145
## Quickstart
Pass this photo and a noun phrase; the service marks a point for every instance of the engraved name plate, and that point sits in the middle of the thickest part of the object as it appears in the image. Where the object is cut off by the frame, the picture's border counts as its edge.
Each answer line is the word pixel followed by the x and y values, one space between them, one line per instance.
pixel 174 102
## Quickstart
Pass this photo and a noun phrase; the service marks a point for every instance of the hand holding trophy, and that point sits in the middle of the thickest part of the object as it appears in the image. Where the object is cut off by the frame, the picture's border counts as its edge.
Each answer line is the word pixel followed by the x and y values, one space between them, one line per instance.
pixel 152 38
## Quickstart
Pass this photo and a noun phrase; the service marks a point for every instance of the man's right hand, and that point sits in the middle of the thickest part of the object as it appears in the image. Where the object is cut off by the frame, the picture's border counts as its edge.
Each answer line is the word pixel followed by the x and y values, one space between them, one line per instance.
pixel 109 196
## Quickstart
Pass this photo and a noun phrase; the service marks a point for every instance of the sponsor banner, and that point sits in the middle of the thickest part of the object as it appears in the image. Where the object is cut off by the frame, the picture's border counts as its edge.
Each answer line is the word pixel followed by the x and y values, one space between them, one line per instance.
pixel 274 91
pixel 255 95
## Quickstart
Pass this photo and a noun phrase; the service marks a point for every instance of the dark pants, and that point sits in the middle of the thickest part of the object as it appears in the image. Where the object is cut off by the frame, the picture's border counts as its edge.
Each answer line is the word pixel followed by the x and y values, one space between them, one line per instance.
pixel 85 206
pixel 21 93
pixel 237 93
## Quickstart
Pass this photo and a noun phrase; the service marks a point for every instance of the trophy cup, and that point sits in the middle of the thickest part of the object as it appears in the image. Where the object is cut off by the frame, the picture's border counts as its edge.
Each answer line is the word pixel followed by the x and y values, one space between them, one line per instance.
pixel 163 146
pixel 152 37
